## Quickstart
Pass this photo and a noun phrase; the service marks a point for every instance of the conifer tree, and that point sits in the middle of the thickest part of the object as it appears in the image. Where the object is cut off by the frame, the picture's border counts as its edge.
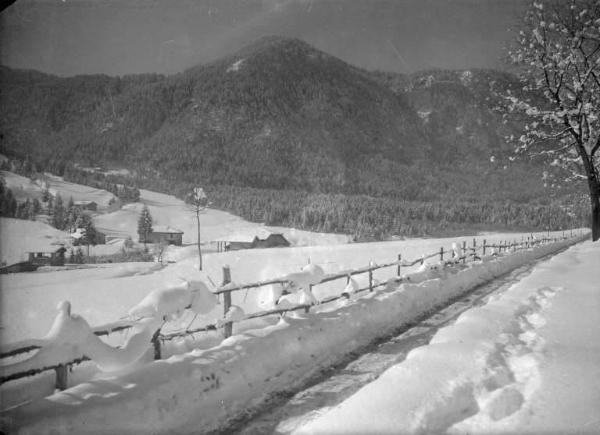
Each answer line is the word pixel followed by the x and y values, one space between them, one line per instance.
pixel 144 225
pixel 58 213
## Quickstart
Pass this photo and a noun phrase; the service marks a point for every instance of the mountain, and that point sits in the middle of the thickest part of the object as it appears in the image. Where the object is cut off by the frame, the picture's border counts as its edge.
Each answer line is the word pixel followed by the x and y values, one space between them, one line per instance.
pixel 282 116
pixel 277 114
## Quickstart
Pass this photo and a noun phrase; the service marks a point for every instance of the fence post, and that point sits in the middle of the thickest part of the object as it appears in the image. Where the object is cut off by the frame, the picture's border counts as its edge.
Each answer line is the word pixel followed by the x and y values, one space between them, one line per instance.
pixel 61 377
pixel 442 254
pixel 484 243
pixel 228 327
pixel 399 261
pixel 370 276
pixel 307 308
pixel 464 256
pixel 156 344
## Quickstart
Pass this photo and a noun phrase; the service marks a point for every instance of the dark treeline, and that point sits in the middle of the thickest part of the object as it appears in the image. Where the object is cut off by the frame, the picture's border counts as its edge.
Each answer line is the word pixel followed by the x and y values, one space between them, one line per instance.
pixel 442 211
pixel 378 218
pixel 370 218
pixel 118 185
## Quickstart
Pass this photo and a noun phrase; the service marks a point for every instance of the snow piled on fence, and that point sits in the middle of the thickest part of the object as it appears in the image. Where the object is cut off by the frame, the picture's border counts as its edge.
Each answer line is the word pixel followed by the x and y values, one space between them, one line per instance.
pixel 526 362
pixel 203 389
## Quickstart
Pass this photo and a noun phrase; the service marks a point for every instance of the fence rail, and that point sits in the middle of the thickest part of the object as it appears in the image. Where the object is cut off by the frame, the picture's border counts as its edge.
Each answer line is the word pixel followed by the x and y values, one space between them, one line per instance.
pixel 227 288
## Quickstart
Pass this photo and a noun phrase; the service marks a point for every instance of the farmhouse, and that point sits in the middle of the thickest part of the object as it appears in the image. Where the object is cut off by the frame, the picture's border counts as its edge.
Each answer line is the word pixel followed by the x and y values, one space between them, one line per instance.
pixel 56 258
pixel 166 234
pixel 260 239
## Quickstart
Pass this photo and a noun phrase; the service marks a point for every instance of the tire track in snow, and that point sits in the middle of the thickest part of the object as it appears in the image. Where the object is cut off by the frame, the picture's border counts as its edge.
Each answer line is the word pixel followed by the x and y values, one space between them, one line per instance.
pixel 285 412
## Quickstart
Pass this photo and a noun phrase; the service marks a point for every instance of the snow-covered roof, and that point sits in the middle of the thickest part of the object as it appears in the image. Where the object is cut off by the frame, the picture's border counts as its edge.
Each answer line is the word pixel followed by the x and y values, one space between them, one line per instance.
pixel 165 229
pixel 84 202
pixel 78 233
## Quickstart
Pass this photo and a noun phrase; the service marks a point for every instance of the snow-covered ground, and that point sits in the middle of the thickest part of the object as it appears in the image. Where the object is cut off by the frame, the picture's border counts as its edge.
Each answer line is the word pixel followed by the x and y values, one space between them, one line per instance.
pixel 79 192
pixel 21 187
pixel 19 236
pixel 200 389
pixel 527 362
pixel 105 293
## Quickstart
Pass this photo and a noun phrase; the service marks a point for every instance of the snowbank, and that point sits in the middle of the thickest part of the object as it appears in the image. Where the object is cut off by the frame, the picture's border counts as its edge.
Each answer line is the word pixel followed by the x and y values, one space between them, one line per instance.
pixel 527 362
pixel 201 390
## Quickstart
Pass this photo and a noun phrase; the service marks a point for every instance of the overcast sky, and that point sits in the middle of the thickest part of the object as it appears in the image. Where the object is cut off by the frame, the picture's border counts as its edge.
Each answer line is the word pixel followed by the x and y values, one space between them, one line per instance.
pixel 132 36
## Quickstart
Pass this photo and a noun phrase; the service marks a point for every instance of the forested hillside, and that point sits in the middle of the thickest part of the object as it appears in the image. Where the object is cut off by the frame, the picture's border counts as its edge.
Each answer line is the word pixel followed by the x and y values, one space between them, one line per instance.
pixel 283 133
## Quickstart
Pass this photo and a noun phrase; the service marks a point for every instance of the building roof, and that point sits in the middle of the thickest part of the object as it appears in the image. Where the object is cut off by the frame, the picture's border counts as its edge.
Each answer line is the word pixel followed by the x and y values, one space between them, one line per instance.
pixel 84 202
pixel 165 229
pixel 249 237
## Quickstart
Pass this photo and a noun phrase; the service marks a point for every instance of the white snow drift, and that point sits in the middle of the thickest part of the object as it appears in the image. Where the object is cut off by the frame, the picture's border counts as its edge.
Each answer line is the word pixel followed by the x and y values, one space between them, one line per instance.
pixel 527 362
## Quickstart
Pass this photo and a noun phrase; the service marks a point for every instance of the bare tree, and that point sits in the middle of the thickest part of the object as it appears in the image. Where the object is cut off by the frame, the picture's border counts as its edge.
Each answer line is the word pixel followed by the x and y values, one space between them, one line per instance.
pixel 558 50
pixel 199 201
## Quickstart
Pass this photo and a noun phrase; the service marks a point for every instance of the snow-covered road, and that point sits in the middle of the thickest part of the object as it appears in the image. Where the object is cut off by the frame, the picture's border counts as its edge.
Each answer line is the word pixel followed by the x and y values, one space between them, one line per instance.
pixel 283 414
pixel 526 362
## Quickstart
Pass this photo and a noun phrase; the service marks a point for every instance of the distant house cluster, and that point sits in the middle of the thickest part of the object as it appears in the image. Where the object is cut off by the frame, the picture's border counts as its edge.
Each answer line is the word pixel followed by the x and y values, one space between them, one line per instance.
pixel 163 234
pixel 260 239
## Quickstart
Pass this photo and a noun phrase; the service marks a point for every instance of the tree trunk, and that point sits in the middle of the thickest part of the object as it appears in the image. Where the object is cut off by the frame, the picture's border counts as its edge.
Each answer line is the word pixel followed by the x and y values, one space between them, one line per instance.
pixel 595 199
pixel 199 250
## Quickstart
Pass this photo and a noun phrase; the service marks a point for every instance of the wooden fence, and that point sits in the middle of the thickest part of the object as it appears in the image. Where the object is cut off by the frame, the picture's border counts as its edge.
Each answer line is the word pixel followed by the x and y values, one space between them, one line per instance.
pixel 447 258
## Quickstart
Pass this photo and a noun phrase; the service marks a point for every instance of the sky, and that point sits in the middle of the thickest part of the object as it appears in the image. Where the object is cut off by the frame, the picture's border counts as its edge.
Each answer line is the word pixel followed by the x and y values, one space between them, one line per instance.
pixel 117 37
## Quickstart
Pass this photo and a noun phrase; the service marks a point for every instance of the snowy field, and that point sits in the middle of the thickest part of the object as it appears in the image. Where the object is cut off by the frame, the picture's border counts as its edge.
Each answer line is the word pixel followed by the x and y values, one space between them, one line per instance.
pixel 21 187
pixel 166 210
pixel 527 362
pixel 214 383
pixel 105 293
pixel 20 237
pixel 79 192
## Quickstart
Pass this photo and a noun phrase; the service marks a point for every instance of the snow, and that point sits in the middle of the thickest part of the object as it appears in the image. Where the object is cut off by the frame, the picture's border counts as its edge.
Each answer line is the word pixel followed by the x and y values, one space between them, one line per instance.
pixel 527 362
pixel 199 390
pixel 170 302
pixel 79 192
pixel 235 66
pixel 168 212
pixel 165 229
pixel 21 187
pixel 20 236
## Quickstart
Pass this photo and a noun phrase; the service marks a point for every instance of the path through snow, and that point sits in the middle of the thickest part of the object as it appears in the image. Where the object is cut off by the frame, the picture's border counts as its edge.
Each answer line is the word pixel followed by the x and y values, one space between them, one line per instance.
pixel 526 362
pixel 283 415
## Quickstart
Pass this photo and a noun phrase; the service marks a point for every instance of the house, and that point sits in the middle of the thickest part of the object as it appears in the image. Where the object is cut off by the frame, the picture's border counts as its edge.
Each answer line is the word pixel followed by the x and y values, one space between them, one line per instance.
pixel 260 239
pixel 56 258
pixel 166 234
pixel 86 205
